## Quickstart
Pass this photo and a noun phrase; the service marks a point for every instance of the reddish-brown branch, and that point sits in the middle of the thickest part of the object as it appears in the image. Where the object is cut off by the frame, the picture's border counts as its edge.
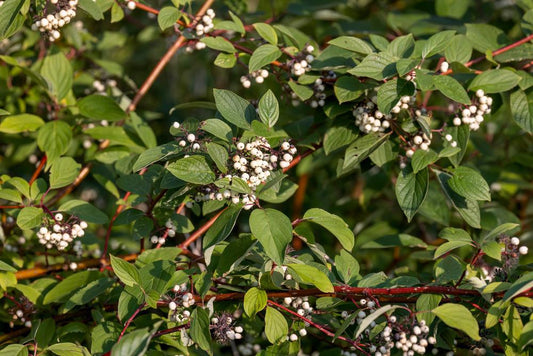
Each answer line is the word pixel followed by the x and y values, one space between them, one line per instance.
pixel 172 330
pixel 151 10
pixel 165 59
pixel 11 206
pixel 39 271
pixel 38 170
pixel 201 230
pixel 130 319
pixel 495 52
pixel 318 326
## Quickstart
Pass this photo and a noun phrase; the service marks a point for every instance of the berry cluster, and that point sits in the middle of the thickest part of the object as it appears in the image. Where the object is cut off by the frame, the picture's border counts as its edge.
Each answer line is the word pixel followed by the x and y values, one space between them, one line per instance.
pixel 52 23
pixel 301 63
pixel 189 139
pixel 59 233
pixel 319 97
pixel 302 305
pixel 169 232
pixel 223 329
pixel 369 119
pixel 131 5
pixel 412 339
pixel 205 25
pixel 259 76
pixel 22 312
pixel 473 114
pixel 251 162
pixel 248 349
pixel 420 141
pixel 511 252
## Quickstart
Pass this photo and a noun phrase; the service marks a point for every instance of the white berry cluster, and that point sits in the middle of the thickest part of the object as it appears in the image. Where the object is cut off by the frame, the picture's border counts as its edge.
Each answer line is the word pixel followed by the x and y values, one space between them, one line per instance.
pixel 22 312
pixel 444 66
pixel 302 305
pixel 369 119
pixel 301 63
pixel 249 349
pixel 52 23
pixel 415 340
pixel 420 141
pixel 59 233
pixel 259 76
pixel 101 87
pixel 179 316
pixel 511 252
pixel 319 97
pixel 252 162
pixel 473 114
pixel 205 25
pixel 190 140
pixel 170 232
pixel 223 329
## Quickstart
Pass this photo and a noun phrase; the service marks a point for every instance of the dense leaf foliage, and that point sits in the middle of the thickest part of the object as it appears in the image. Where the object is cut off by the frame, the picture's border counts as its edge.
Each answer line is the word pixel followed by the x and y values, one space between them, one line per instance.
pixel 272 177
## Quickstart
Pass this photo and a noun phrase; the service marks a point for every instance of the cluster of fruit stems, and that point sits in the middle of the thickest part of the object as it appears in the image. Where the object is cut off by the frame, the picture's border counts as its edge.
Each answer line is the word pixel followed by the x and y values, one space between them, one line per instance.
pixel 383 294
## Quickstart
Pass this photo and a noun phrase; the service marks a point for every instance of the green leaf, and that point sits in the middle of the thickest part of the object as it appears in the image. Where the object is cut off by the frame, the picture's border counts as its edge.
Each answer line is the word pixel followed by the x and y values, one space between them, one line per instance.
pixel 449 246
pixel 506 228
pixel 193 169
pixel 58 73
pixel 451 88
pixel 424 304
pixel 353 44
pixel 273 229
pixel 219 155
pixel 262 56
pixel 337 137
pixel 54 138
pixel 411 190
pixel 526 337
pixel 8 15
pixel 377 66
pixel 225 60
pixel 115 134
pixel 5 267
pixel 92 8
pixel 302 91
pixel 222 227
pixel 454 234
pixel 218 128
pixel 390 93
pixel 233 108
pixel 63 172
pixel 495 81
pixel 167 17
pixel 20 123
pixel 461 135
pixel 10 195
pixel 459 49
pixel 469 184
pixel 347 267
pixel 269 109
pixel 333 224
pixel 125 271
pixel 117 13
pixel 373 316
pixel 276 327
pixel 99 107
pixel 84 211
pixel 402 46
pixel 87 293
pixel 70 285
pixel 68 349
pixel 30 217
pixel 219 44
pixel 467 208
pixel 267 32
pixel 522 109
pixel 361 148
pixel 14 349
pixel 484 37
pixel 312 275
pixel 348 88
pixel 459 317
pixel 104 336
pixel 437 43
pixel 421 159
pixel 155 154
pixel 521 285
pixel 200 329
pixel 451 8
pixel 255 300
pixel 136 342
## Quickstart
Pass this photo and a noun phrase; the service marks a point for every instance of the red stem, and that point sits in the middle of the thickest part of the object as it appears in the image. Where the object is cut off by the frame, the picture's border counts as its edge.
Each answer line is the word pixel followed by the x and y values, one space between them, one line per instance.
pixel 38 170
pixel 318 326
pixel 128 322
